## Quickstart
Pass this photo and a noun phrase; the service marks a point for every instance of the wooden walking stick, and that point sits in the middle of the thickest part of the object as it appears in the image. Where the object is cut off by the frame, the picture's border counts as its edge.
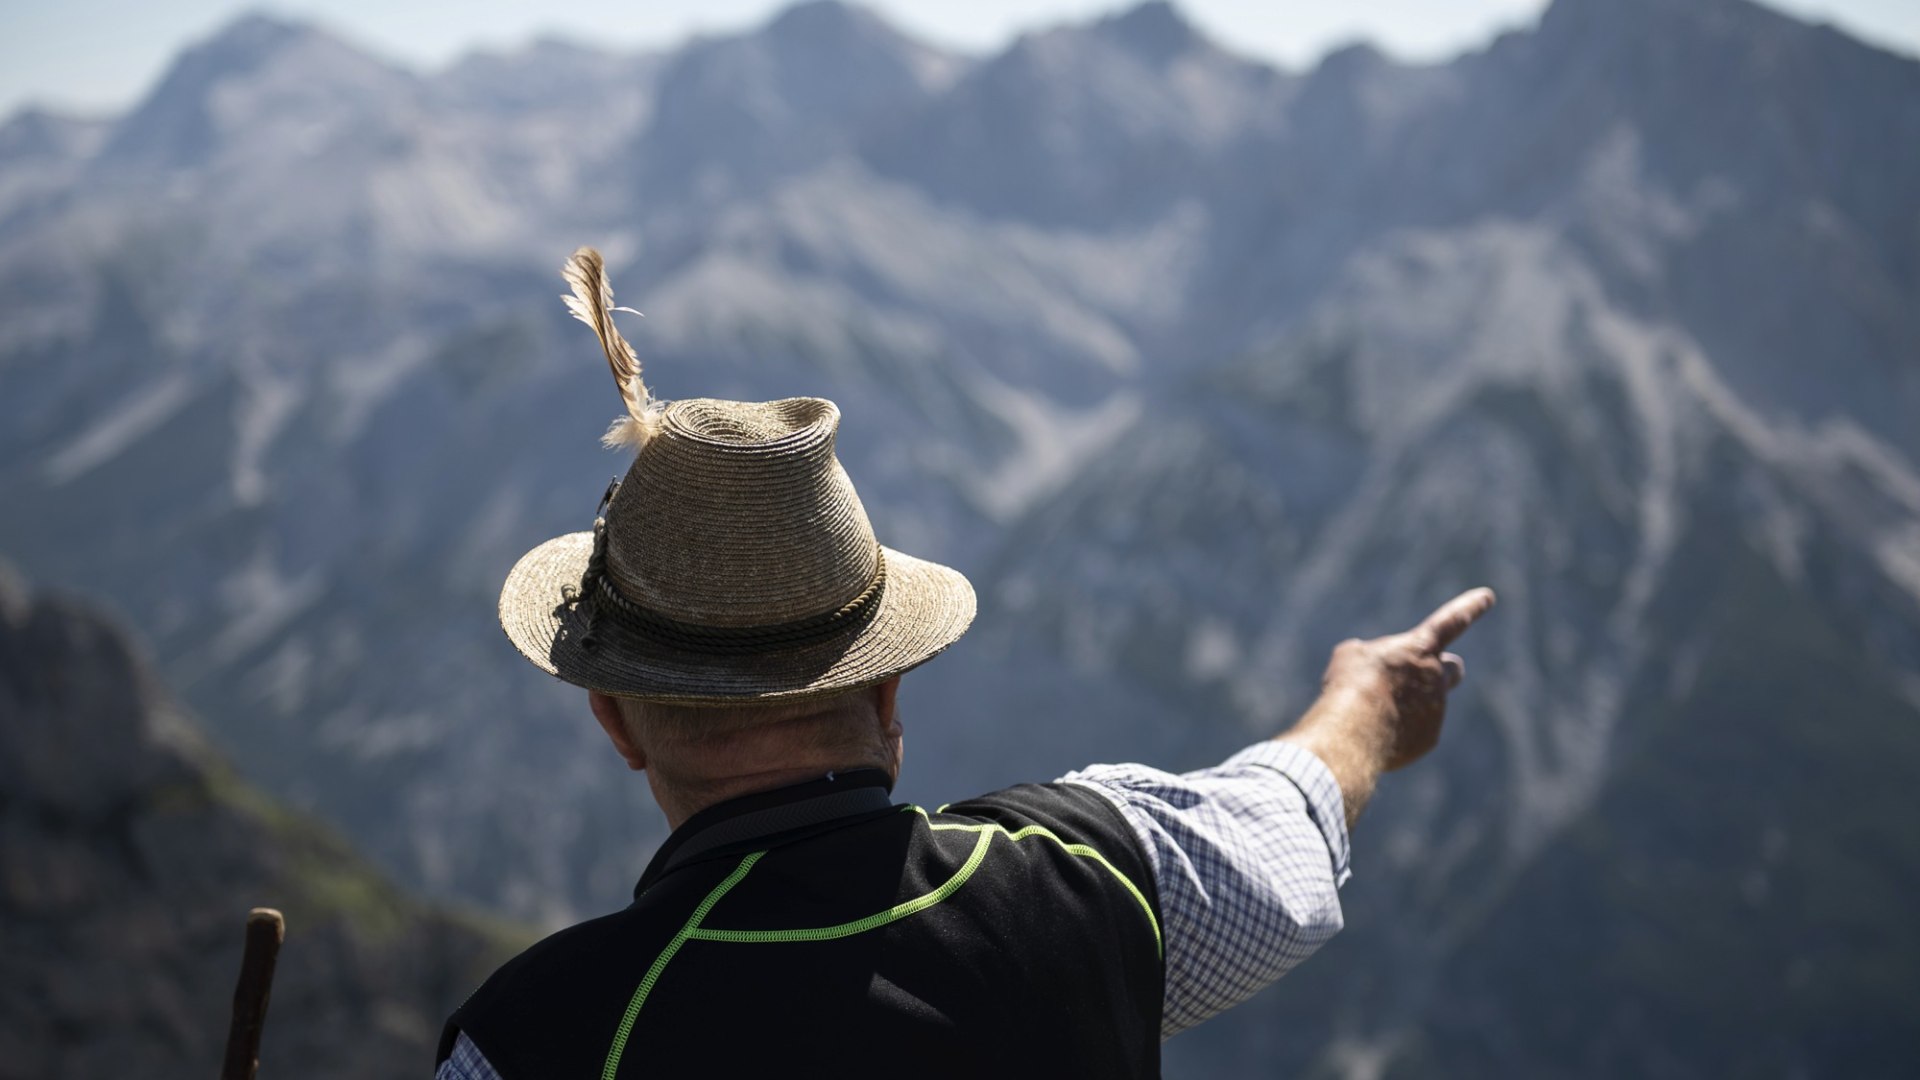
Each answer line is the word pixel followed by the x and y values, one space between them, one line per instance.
pixel 265 930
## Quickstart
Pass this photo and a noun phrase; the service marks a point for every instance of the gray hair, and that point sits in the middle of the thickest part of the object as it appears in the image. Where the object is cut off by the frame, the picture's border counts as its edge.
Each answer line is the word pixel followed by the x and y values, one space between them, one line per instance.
pixel 682 741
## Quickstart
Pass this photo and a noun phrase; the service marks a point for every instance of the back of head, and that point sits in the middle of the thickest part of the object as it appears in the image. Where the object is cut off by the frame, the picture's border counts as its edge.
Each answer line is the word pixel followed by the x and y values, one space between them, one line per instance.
pixel 699 751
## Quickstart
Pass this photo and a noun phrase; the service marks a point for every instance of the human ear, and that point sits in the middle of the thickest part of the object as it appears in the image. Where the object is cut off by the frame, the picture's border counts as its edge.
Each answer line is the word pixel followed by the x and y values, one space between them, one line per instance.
pixel 607 711
pixel 885 697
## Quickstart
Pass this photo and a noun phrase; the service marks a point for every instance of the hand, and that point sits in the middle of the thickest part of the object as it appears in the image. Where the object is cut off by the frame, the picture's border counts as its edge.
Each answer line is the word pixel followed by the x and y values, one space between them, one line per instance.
pixel 1405 677
pixel 1382 701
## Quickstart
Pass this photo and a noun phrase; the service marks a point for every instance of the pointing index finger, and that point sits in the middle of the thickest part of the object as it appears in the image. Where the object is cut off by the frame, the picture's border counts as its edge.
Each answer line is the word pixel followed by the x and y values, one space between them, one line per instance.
pixel 1441 628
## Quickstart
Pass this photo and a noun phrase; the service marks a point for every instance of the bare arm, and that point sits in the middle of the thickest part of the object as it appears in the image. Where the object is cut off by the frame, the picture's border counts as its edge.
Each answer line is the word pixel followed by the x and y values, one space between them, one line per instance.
pixel 1382 701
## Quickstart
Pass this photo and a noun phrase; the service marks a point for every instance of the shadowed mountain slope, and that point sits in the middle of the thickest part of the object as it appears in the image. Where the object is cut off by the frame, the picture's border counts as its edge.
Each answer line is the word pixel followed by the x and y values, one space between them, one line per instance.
pixel 131 856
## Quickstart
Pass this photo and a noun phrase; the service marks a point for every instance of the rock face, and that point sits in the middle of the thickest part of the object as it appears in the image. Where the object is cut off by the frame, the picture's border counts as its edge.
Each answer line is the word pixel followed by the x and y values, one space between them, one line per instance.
pixel 1195 366
pixel 129 857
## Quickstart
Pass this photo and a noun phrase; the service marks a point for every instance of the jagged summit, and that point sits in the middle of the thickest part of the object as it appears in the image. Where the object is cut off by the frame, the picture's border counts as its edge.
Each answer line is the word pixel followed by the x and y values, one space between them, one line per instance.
pixel 851 33
pixel 1355 57
pixel 1156 31
pixel 38 133
pixel 736 112
pixel 825 22
pixel 86 729
pixel 236 49
pixel 1347 71
pixel 254 35
pixel 1097 122
pixel 175 124
pixel 1615 31
pixel 1724 92
pixel 1669 16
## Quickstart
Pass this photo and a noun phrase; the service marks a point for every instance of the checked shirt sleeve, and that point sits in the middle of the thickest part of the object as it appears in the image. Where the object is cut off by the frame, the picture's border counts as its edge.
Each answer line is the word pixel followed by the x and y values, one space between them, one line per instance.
pixel 466 1063
pixel 1247 857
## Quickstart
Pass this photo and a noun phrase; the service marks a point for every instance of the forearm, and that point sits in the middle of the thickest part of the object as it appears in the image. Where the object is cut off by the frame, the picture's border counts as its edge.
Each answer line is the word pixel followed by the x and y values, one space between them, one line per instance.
pixel 1342 730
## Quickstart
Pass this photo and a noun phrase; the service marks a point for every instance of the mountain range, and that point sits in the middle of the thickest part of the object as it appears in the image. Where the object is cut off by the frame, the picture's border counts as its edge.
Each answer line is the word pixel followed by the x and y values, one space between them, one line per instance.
pixel 1194 365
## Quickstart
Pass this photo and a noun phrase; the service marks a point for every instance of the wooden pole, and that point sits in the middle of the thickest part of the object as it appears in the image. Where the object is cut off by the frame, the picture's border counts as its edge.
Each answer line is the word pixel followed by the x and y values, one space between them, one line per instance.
pixel 265 930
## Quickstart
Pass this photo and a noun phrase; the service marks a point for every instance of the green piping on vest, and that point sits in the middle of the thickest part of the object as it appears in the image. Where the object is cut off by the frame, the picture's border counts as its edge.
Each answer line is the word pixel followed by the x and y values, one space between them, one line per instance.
pixel 692 931
pixel 1081 850
pixel 640 992
pixel 871 922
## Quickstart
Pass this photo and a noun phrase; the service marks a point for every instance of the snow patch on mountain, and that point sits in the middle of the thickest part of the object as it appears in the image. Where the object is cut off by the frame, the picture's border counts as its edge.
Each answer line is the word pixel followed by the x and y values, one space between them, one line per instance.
pixel 1050 444
pixel 125 424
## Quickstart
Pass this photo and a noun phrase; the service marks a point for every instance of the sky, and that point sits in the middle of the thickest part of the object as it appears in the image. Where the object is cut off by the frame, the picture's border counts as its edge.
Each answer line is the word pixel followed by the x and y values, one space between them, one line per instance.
pixel 99 56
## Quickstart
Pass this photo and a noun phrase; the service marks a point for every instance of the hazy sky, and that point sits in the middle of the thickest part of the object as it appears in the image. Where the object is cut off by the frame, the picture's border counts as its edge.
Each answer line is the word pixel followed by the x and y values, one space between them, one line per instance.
pixel 99 55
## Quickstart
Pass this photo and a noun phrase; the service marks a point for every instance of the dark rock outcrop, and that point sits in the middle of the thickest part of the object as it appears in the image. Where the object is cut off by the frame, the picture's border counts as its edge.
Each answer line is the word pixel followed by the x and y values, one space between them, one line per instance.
pixel 129 855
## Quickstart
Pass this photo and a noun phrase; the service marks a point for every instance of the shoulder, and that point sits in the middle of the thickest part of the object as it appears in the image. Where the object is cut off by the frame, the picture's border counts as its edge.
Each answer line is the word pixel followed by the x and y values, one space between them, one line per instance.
pixel 1070 825
pixel 1055 807
pixel 556 1000
pixel 552 961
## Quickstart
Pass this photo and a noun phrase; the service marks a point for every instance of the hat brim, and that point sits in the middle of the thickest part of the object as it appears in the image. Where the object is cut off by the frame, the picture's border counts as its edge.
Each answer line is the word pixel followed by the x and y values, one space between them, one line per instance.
pixel 924 608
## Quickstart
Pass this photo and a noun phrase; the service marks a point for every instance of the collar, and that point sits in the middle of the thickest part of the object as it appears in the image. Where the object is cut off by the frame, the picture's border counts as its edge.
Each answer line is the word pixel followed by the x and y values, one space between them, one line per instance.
pixel 787 813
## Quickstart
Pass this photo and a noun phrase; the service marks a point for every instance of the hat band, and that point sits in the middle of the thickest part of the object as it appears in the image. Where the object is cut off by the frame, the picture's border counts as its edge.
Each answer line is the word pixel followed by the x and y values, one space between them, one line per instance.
pixel 637 617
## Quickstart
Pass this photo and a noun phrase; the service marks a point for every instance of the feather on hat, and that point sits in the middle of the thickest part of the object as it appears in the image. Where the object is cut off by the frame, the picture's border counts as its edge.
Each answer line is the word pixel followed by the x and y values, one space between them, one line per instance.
pixel 592 303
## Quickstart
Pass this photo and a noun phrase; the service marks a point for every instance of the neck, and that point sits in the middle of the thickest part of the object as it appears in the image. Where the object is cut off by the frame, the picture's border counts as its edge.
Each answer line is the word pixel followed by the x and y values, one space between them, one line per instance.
pixel 680 801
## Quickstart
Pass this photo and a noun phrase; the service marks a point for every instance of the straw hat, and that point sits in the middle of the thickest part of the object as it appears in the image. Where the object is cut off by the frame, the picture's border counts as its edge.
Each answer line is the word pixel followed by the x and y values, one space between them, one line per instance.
pixel 734 562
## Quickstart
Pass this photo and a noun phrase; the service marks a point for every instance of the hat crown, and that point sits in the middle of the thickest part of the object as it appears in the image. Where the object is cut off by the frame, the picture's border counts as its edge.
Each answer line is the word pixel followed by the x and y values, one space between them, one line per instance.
pixel 738 514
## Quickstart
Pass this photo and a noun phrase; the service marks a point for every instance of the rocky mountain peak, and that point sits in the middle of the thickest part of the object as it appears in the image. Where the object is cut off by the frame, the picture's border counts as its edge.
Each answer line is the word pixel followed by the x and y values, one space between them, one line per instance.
pixel 1721 17
pixel 735 112
pixel 1725 41
pixel 86 731
pixel 825 24
pixel 37 134
pixel 252 38
pixel 1155 31
pixel 238 49
pixel 1353 60
pixel 211 91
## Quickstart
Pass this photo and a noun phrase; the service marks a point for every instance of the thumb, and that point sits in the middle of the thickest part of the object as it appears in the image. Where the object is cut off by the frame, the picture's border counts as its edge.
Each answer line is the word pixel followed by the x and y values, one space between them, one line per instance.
pixel 1455 668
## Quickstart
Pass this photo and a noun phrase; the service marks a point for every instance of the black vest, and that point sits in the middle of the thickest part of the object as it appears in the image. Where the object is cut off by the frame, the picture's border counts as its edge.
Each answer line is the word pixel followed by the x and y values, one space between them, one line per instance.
pixel 820 930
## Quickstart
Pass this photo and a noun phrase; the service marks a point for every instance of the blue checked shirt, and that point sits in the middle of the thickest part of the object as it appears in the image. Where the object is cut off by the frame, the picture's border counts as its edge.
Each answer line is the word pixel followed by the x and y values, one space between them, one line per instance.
pixel 1247 856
